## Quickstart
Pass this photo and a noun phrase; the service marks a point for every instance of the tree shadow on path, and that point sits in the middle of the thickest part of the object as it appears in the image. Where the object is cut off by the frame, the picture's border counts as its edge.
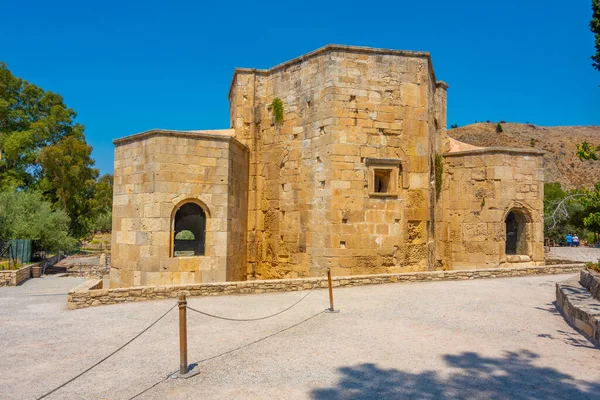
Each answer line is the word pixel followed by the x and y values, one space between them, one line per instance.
pixel 513 376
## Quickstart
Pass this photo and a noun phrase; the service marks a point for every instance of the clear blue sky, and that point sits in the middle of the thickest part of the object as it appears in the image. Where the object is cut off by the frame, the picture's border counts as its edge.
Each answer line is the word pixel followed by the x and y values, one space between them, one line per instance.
pixel 129 66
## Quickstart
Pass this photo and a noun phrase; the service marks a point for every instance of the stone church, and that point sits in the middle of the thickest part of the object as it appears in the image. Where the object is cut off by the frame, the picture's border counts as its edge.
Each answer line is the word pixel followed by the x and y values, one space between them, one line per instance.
pixel 357 174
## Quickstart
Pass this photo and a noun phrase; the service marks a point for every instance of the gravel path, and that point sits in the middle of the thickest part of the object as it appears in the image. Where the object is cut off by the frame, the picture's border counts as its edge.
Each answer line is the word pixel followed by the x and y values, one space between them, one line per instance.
pixel 576 254
pixel 497 338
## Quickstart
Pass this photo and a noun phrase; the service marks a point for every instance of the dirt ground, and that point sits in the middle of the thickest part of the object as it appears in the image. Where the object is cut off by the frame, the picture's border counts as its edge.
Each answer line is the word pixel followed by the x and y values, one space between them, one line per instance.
pixel 482 339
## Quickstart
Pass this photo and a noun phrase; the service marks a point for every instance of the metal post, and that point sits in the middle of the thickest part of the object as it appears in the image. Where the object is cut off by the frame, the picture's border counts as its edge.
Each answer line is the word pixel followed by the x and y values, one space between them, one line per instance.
pixel 183 362
pixel 330 290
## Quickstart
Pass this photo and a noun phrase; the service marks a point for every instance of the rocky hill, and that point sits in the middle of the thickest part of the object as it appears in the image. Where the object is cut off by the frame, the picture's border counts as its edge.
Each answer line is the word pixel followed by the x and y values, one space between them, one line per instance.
pixel 559 143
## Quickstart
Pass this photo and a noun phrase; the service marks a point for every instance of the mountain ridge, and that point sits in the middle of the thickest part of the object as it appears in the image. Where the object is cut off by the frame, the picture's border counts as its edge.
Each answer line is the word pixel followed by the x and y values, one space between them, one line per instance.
pixel 559 142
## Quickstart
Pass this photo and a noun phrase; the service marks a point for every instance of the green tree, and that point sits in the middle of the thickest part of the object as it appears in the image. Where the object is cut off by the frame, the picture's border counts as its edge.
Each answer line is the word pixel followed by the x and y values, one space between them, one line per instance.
pixel 69 182
pixel 595 28
pixel 498 128
pixel 102 204
pixel 43 148
pixel 26 215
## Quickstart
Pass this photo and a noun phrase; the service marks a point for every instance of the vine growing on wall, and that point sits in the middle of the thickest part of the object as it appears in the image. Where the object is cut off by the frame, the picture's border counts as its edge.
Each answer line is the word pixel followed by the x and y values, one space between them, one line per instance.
pixel 277 109
pixel 439 170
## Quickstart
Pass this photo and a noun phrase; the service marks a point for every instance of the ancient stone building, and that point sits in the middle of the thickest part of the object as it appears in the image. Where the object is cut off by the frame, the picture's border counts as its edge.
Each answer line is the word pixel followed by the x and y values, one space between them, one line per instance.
pixel 358 176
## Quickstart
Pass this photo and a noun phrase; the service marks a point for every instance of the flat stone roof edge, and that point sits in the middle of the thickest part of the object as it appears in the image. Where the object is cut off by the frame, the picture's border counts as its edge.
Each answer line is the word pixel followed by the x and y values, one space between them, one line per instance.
pixel 490 150
pixel 337 47
pixel 184 134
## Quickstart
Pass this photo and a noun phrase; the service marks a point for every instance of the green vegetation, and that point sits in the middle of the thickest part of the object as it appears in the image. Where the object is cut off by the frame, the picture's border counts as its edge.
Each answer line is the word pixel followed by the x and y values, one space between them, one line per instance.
pixel 595 28
pixel 277 110
pixel 185 235
pixel 453 126
pixel 26 215
pixel 587 152
pixel 45 160
pixel 593 266
pixel 439 173
pixel 570 211
pixel 498 128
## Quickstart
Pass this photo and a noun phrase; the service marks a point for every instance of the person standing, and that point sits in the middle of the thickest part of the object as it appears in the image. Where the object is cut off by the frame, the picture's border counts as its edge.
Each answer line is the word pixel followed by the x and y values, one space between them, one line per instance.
pixel 569 240
pixel 575 240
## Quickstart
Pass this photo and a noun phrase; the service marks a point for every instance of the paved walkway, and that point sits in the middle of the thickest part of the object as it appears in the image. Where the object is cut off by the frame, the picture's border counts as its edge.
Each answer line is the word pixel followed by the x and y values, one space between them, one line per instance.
pixel 483 339
pixel 576 254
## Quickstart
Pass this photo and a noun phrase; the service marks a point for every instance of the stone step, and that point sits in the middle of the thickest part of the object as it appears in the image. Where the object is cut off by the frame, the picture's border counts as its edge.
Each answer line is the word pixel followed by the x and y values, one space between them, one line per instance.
pixel 580 308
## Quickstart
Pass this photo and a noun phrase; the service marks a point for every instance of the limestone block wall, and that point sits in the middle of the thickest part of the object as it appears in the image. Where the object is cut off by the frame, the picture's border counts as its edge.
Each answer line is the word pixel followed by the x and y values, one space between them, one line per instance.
pixel 155 173
pixel 480 188
pixel 310 206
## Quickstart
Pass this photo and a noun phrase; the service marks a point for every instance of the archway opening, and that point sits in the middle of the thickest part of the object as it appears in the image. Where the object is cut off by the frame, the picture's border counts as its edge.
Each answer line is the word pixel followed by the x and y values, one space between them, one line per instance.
pixel 516 238
pixel 189 236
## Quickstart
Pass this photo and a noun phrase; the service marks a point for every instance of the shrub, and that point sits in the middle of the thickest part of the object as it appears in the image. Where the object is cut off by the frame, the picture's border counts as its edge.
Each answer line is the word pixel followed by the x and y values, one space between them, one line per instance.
pixel 498 128
pixel 594 266
pixel 277 109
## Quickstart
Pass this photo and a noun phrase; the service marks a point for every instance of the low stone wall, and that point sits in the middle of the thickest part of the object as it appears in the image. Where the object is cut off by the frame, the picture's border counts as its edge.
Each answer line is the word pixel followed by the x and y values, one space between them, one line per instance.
pixel 15 277
pixel 89 294
pixel 591 281
pixel 579 308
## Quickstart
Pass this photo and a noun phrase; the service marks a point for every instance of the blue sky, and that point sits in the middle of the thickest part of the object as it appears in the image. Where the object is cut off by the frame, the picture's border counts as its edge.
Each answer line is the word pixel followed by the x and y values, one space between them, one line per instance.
pixel 130 66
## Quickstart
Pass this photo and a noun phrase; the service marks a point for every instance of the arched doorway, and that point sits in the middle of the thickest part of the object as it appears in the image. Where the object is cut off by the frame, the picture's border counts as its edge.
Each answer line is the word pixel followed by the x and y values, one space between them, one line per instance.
pixel 516 233
pixel 189 235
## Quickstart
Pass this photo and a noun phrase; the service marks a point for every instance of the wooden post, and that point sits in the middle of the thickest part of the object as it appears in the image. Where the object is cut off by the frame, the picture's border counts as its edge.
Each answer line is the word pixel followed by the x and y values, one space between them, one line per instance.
pixel 183 362
pixel 330 290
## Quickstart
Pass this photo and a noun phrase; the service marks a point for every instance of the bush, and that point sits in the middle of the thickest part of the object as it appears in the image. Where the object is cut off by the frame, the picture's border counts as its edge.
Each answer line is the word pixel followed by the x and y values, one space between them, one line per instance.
pixel 277 109
pixel 26 215
pixel 594 266
pixel 498 128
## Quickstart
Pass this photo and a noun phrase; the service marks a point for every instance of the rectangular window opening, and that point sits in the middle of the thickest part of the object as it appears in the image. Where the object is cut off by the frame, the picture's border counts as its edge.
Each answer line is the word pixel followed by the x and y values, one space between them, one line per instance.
pixel 381 181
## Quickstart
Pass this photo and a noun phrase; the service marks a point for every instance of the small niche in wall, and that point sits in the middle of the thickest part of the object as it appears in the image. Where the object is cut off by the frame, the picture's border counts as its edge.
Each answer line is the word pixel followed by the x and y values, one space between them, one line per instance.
pixel 322 184
pixel 396 221
pixel 383 177
pixel 344 221
pixel 342 244
pixel 381 180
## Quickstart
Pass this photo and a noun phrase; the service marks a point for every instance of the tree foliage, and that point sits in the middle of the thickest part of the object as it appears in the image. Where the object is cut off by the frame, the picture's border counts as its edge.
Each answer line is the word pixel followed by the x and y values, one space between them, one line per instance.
pixel 43 149
pixel 595 28
pixel 26 215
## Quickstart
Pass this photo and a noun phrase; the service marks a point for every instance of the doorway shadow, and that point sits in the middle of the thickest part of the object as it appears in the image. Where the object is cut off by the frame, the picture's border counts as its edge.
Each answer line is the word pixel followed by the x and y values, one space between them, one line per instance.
pixel 512 376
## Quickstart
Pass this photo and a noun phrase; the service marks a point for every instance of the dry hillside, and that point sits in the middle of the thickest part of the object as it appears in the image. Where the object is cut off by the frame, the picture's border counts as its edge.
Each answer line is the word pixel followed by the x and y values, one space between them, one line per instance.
pixel 559 143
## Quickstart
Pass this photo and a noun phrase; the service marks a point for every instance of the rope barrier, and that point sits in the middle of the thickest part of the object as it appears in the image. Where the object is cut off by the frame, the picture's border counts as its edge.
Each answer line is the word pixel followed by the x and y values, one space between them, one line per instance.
pixel 232 351
pixel 108 356
pixel 251 319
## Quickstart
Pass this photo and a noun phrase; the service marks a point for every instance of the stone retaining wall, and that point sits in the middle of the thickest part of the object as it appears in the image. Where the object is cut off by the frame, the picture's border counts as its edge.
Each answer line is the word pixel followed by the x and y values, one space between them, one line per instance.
pixel 579 308
pixel 591 281
pixel 92 294
pixel 15 277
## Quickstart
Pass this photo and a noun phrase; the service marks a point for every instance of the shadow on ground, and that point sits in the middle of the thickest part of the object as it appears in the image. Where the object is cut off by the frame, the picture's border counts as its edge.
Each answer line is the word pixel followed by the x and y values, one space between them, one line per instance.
pixel 472 376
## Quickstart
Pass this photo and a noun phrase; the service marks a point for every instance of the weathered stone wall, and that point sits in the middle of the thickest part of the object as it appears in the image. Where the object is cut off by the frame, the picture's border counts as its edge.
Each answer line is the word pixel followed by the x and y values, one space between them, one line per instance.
pixel 579 307
pixel 480 188
pixel 91 293
pixel 310 205
pixel 155 173
pixel 15 277
pixel 591 281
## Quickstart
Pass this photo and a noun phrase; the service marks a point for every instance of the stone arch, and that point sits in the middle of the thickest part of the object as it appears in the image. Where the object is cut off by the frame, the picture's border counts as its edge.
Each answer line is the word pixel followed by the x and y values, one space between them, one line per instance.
pixel 188 236
pixel 518 230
